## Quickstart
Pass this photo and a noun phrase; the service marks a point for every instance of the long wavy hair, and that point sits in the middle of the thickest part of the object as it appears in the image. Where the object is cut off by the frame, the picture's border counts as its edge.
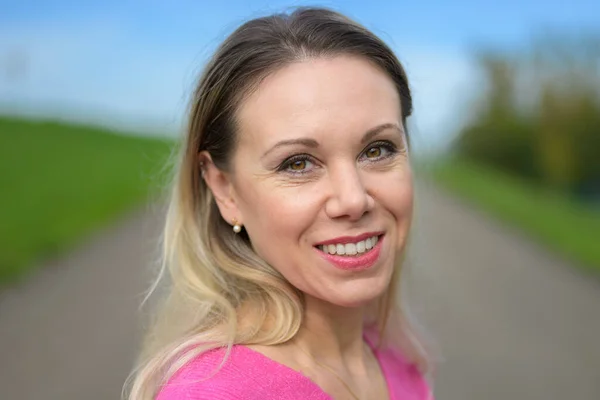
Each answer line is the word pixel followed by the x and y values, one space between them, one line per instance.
pixel 218 291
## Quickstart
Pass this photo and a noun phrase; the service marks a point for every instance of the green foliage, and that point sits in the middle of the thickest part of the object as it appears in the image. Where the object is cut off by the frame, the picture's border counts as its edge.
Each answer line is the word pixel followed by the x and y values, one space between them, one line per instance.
pixel 507 144
pixel 551 217
pixel 540 115
pixel 60 182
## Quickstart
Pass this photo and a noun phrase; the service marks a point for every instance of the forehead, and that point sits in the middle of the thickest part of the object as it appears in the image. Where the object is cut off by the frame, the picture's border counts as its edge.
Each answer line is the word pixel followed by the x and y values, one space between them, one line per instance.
pixel 323 95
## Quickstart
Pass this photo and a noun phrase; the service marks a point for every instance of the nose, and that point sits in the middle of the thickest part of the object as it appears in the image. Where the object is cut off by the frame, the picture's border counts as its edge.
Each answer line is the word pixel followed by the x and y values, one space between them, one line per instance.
pixel 349 197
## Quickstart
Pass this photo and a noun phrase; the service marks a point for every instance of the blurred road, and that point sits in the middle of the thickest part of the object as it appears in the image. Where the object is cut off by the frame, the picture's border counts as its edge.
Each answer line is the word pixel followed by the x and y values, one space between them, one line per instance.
pixel 71 332
pixel 511 320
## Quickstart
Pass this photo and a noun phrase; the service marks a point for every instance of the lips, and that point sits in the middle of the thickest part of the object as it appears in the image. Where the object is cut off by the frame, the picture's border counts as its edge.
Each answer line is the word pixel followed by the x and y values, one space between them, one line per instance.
pixel 350 249
pixel 350 239
pixel 348 253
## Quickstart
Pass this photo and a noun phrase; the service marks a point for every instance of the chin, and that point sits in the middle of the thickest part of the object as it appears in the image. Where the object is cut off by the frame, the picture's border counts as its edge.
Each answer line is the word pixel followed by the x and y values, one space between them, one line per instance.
pixel 358 295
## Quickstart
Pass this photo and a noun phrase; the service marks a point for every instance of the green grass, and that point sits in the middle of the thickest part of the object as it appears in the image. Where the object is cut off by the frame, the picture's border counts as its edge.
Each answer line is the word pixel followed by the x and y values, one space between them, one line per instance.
pixel 561 223
pixel 60 182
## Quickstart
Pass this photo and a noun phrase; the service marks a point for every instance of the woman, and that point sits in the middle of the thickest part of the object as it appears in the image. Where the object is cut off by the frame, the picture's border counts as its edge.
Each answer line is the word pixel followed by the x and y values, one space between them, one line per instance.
pixel 290 214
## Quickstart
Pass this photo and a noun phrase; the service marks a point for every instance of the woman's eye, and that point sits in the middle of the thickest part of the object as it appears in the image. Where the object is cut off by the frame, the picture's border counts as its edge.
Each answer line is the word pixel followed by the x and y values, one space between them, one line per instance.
pixel 379 151
pixel 297 165
pixel 373 152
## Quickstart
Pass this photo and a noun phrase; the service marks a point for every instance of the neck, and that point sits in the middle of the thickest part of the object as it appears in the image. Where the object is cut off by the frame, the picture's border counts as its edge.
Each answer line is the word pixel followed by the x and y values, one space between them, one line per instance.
pixel 332 333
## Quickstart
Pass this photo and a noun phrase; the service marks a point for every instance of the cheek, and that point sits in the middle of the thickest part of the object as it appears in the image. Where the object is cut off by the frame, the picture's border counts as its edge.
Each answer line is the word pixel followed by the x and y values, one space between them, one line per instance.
pixel 404 195
pixel 276 217
pixel 396 196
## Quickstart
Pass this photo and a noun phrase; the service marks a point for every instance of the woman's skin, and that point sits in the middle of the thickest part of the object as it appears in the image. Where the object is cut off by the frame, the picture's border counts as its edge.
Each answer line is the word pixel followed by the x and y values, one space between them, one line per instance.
pixel 321 157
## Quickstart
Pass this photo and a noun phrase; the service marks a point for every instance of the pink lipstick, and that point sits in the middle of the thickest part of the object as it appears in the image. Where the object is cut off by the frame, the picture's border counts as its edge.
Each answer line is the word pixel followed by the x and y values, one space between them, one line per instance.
pixel 358 262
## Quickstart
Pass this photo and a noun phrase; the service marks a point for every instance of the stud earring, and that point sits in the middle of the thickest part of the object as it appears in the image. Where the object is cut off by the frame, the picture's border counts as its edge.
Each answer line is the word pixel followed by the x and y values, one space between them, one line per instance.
pixel 237 228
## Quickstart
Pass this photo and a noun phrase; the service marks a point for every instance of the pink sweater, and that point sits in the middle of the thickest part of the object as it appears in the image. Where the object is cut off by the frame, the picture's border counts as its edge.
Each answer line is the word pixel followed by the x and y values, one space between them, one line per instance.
pixel 249 375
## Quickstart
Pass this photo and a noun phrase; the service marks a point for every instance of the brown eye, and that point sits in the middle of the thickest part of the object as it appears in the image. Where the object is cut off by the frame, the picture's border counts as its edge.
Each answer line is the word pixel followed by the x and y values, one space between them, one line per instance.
pixel 373 152
pixel 298 165
pixel 379 151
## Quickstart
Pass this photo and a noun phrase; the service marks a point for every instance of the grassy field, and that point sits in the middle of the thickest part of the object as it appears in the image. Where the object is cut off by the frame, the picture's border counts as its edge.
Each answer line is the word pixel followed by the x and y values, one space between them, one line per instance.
pixel 561 223
pixel 60 182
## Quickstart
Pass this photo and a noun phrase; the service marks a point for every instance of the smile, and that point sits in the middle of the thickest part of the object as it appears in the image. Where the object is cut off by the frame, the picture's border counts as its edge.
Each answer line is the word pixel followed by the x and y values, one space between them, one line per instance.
pixel 355 253
pixel 350 249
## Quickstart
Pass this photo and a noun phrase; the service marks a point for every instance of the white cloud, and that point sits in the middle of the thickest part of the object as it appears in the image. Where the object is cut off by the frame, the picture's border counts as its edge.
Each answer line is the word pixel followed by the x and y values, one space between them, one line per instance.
pixel 95 70
pixel 443 83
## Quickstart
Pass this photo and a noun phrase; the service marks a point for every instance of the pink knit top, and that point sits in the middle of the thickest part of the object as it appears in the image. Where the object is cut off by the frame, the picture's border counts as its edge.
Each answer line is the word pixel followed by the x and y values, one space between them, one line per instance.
pixel 250 375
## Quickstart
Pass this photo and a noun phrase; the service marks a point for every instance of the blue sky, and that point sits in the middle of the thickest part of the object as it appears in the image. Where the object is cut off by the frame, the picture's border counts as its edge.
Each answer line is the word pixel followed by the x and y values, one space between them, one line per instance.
pixel 132 64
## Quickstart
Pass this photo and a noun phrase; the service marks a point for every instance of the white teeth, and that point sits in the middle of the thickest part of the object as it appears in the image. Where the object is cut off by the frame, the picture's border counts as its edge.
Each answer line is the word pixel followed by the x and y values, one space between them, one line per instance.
pixel 361 246
pixel 350 249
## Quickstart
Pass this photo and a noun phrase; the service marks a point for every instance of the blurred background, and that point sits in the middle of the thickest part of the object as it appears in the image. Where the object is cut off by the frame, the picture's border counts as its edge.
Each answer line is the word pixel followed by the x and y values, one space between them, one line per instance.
pixel 503 270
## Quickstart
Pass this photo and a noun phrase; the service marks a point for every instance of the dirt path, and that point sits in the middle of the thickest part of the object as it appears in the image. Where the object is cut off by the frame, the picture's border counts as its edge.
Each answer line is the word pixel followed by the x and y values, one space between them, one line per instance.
pixel 512 321
pixel 71 331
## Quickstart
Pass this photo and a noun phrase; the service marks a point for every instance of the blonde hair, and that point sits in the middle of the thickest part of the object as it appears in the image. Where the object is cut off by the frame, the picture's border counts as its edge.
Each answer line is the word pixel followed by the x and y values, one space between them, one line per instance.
pixel 220 292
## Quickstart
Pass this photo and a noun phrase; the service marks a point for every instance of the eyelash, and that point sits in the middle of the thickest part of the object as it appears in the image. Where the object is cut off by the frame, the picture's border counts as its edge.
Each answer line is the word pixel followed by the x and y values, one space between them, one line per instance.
pixel 389 146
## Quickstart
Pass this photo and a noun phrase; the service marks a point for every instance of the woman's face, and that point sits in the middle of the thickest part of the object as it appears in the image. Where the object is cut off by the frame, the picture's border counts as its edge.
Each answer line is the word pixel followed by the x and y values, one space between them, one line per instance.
pixel 321 178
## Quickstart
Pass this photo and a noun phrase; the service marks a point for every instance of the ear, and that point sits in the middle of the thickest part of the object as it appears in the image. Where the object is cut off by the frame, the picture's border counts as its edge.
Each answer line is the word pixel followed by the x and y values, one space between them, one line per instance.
pixel 220 185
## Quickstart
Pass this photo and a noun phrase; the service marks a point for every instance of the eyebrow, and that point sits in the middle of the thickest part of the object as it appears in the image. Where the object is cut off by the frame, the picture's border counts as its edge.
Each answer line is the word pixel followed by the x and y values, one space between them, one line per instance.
pixel 307 142
pixel 371 133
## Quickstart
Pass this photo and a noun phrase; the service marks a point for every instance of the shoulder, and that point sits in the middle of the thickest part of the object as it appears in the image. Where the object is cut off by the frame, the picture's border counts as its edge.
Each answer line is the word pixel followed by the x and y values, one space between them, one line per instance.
pixel 404 378
pixel 211 375
pixel 243 375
